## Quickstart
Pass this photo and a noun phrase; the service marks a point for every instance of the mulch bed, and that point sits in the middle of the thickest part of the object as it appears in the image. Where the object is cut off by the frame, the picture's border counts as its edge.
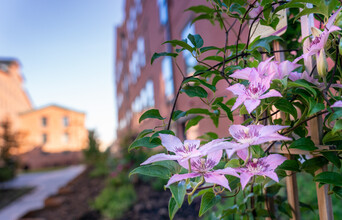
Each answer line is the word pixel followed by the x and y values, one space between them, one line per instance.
pixel 152 204
pixel 72 201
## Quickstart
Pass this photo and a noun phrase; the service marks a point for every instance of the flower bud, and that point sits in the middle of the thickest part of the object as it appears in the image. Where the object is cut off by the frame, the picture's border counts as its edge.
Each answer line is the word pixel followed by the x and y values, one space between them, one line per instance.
pixel 316 32
pixel 322 64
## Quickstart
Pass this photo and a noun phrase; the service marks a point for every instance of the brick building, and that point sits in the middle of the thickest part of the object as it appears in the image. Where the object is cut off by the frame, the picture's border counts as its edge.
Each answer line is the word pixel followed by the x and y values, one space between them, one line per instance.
pixel 139 85
pixel 13 96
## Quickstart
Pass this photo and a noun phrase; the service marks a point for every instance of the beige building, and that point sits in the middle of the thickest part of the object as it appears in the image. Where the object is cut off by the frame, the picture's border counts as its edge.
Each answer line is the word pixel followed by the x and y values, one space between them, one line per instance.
pixel 48 136
pixel 54 129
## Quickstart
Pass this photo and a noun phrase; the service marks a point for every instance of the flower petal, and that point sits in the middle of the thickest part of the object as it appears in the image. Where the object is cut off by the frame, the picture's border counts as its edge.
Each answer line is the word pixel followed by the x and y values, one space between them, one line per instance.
pixel 170 142
pixel 227 171
pixel 178 177
pixel 271 175
pixel 215 156
pixel 271 129
pixel 239 101
pixel 192 142
pixel 273 160
pixel 271 93
pixel 161 157
pixel 251 104
pixel 337 104
pixel 331 20
pixel 243 154
pixel 244 179
pixel 242 74
pixel 217 179
pixel 237 89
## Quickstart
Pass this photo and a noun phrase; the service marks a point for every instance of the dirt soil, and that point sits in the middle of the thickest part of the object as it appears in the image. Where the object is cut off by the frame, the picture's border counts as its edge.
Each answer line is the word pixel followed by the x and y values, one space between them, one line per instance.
pixel 152 204
pixel 72 201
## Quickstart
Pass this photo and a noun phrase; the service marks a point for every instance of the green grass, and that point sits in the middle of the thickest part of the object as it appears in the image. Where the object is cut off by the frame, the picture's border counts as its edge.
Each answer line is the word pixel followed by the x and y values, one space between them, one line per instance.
pixel 46 169
pixel 7 196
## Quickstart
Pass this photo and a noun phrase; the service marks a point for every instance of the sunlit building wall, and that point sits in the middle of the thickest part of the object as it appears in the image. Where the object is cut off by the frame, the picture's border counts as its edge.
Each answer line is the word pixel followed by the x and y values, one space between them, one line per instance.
pixel 54 129
pixel 140 85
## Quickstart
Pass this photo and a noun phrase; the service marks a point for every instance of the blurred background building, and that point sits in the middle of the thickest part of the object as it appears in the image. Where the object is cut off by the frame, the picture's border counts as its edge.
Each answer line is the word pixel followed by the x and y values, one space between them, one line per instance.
pixel 48 136
pixel 140 85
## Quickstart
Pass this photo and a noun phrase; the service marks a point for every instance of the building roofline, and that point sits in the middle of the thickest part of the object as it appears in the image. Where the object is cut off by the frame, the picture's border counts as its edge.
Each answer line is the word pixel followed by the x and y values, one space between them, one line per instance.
pixel 51 105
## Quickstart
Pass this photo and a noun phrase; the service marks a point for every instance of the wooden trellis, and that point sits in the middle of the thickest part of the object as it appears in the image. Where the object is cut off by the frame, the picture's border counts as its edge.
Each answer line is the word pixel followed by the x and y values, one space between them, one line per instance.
pixel 316 128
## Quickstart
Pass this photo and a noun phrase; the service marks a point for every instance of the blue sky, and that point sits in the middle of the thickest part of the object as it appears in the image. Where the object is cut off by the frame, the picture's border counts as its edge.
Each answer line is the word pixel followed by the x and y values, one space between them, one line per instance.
pixel 67 49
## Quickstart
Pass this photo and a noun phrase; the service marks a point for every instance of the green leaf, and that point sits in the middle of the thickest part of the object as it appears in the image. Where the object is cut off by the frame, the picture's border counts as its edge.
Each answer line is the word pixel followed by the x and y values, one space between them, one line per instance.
pixel 205 49
pixel 332 157
pixel 152 170
pixel 173 208
pixel 209 86
pixel 180 43
pixel 144 133
pixel 215 58
pixel 196 40
pixel 157 55
pixel 171 165
pixel 338 191
pixel 304 84
pixel 200 9
pixel 198 111
pixel 145 142
pixel 286 106
pixel 178 191
pixel 313 164
pixel 265 43
pixel 337 126
pixel 329 178
pixel 292 165
pixel 227 110
pixel 330 136
pixel 195 91
pixel 192 122
pixel 234 163
pixel 178 114
pixel 315 106
pixel 152 113
pixel 208 201
pixel 303 144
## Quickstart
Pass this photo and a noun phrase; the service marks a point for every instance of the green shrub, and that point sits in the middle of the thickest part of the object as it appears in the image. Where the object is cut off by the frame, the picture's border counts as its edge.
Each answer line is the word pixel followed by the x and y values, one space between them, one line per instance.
pixel 113 202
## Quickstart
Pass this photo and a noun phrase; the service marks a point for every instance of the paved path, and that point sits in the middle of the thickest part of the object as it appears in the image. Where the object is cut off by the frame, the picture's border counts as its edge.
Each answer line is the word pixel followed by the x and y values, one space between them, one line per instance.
pixel 45 183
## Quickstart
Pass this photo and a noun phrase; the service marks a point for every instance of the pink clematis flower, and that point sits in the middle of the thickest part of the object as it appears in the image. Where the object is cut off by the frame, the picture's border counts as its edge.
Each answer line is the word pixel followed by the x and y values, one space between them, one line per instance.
pixel 256 90
pixel 284 69
pixel 257 134
pixel 260 167
pixel 204 167
pixel 320 38
pixel 264 70
pixel 183 152
pixel 337 104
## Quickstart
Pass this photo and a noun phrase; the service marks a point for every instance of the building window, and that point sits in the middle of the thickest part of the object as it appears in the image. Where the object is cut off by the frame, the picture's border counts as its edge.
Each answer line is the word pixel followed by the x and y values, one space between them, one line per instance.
pixel 145 99
pixel 163 12
pixel 66 121
pixel 138 60
pixel 44 121
pixel 190 61
pixel 65 138
pixel 44 138
pixel 168 77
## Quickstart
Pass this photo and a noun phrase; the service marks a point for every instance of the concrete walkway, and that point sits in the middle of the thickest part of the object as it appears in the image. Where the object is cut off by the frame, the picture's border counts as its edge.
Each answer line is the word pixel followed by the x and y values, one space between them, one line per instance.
pixel 45 183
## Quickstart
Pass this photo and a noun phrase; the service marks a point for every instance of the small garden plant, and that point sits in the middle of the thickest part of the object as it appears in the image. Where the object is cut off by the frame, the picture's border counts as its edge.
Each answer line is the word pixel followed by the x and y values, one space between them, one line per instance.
pixel 241 166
